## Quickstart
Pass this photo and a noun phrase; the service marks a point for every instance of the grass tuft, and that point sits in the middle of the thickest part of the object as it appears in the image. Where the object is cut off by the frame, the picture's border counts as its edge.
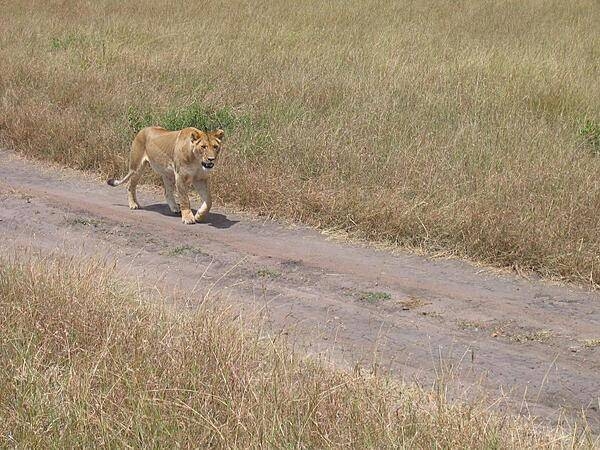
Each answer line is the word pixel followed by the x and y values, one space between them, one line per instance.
pixel 86 221
pixel 590 131
pixel 193 115
pixel 374 297
pixel 266 272
pixel 591 343
pixel 184 250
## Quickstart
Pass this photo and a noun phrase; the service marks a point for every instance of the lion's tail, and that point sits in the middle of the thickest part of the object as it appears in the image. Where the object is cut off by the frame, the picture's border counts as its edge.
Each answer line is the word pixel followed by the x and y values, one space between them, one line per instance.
pixel 115 182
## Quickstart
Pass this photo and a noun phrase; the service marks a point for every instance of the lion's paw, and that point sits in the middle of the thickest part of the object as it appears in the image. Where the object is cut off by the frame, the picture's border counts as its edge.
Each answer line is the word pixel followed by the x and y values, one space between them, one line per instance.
pixel 187 217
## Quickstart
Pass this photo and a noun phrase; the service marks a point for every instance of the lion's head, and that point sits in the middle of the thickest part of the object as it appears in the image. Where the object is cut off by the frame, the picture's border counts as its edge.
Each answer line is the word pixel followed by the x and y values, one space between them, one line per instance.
pixel 206 146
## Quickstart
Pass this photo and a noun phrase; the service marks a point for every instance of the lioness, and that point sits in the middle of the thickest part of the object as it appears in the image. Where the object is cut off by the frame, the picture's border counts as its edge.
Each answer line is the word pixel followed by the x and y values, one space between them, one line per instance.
pixel 182 158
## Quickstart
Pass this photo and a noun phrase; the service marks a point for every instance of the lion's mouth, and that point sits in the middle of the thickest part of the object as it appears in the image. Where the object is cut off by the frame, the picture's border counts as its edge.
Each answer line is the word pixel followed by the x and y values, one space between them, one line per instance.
pixel 208 165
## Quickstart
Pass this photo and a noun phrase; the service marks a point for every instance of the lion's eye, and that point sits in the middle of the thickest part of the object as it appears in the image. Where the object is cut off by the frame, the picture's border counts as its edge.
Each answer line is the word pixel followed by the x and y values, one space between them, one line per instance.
pixel 204 146
pixel 215 147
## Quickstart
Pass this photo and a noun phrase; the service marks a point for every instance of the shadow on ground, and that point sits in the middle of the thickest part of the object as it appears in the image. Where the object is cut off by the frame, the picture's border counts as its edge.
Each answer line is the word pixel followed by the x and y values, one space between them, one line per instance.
pixel 215 220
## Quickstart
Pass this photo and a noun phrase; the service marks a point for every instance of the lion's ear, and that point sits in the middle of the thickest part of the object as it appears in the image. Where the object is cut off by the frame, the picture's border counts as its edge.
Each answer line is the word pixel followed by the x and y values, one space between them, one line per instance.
pixel 194 136
pixel 219 133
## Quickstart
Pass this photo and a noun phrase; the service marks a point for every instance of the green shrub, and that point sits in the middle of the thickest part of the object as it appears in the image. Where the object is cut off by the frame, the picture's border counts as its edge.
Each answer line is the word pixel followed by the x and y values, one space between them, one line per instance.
pixel 194 115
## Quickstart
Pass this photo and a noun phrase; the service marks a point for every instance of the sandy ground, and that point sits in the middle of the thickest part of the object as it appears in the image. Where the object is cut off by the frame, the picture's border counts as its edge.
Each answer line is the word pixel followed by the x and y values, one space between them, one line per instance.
pixel 528 343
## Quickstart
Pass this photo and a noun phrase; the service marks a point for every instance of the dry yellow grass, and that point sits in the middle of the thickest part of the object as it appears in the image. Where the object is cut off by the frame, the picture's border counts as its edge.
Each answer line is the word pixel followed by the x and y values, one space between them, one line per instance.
pixel 470 127
pixel 88 361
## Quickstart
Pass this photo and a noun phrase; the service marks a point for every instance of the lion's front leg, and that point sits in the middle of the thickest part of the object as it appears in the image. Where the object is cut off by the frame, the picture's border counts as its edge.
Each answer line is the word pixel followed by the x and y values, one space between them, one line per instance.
pixel 169 183
pixel 184 201
pixel 204 191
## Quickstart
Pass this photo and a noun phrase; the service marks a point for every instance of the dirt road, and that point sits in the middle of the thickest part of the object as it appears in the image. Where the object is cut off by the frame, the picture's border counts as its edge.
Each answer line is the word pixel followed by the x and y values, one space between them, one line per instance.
pixel 536 344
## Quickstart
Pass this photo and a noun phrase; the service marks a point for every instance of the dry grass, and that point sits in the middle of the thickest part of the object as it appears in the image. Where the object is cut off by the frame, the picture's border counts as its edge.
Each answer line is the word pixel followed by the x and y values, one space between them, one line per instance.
pixel 591 343
pixel 88 361
pixel 469 127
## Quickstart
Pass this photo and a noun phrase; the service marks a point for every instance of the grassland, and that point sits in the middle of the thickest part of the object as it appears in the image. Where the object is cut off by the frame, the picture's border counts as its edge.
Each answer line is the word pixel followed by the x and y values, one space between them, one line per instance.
pixel 88 360
pixel 467 128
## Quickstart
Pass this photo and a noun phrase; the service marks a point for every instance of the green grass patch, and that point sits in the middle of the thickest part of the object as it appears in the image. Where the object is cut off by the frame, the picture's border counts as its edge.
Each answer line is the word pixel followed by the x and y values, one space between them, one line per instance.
pixel 73 221
pixel 67 41
pixel 470 325
pixel 184 250
pixel 590 132
pixel 374 297
pixel 77 41
pixel 195 115
pixel 533 336
pixel 268 273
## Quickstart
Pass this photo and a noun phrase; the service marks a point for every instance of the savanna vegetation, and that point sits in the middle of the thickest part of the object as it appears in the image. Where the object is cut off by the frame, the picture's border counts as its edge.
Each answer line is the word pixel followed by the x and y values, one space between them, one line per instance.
pixel 468 128
pixel 89 361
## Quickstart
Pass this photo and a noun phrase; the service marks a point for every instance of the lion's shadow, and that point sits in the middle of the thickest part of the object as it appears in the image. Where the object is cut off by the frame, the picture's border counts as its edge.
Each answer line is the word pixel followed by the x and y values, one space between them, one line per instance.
pixel 215 220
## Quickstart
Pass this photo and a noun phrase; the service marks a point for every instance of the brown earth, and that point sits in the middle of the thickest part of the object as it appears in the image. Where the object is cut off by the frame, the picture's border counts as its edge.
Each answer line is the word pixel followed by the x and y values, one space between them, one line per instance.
pixel 529 343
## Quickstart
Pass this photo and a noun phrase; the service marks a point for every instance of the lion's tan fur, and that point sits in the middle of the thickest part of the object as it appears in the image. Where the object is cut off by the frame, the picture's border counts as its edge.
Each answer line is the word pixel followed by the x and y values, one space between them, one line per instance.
pixel 182 158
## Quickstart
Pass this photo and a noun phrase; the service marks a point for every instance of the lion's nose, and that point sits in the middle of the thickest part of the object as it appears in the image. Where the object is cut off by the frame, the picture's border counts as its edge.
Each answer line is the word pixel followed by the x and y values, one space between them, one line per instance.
pixel 211 159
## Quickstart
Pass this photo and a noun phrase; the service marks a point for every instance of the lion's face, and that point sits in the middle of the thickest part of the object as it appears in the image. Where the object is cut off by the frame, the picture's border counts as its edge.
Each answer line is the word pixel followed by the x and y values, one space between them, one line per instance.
pixel 207 146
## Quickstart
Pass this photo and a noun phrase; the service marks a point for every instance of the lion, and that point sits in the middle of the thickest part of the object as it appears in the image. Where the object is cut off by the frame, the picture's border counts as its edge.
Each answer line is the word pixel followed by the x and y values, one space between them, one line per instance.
pixel 182 158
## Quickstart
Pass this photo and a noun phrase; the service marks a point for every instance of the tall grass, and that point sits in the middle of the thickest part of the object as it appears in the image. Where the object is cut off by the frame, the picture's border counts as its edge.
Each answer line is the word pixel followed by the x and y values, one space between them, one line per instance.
pixel 464 127
pixel 89 361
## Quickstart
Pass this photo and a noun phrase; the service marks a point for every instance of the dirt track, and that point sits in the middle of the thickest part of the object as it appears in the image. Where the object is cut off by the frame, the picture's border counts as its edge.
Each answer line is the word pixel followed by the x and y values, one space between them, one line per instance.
pixel 528 341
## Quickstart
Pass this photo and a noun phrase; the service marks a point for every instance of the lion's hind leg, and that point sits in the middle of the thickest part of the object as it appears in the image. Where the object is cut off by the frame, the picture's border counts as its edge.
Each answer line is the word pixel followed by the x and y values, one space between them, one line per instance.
pixel 137 161
pixel 131 189
pixel 133 176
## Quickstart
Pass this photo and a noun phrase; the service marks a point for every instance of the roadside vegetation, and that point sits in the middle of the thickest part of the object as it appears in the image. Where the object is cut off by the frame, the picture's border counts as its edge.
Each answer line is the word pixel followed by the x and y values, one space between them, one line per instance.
pixel 89 360
pixel 467 128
